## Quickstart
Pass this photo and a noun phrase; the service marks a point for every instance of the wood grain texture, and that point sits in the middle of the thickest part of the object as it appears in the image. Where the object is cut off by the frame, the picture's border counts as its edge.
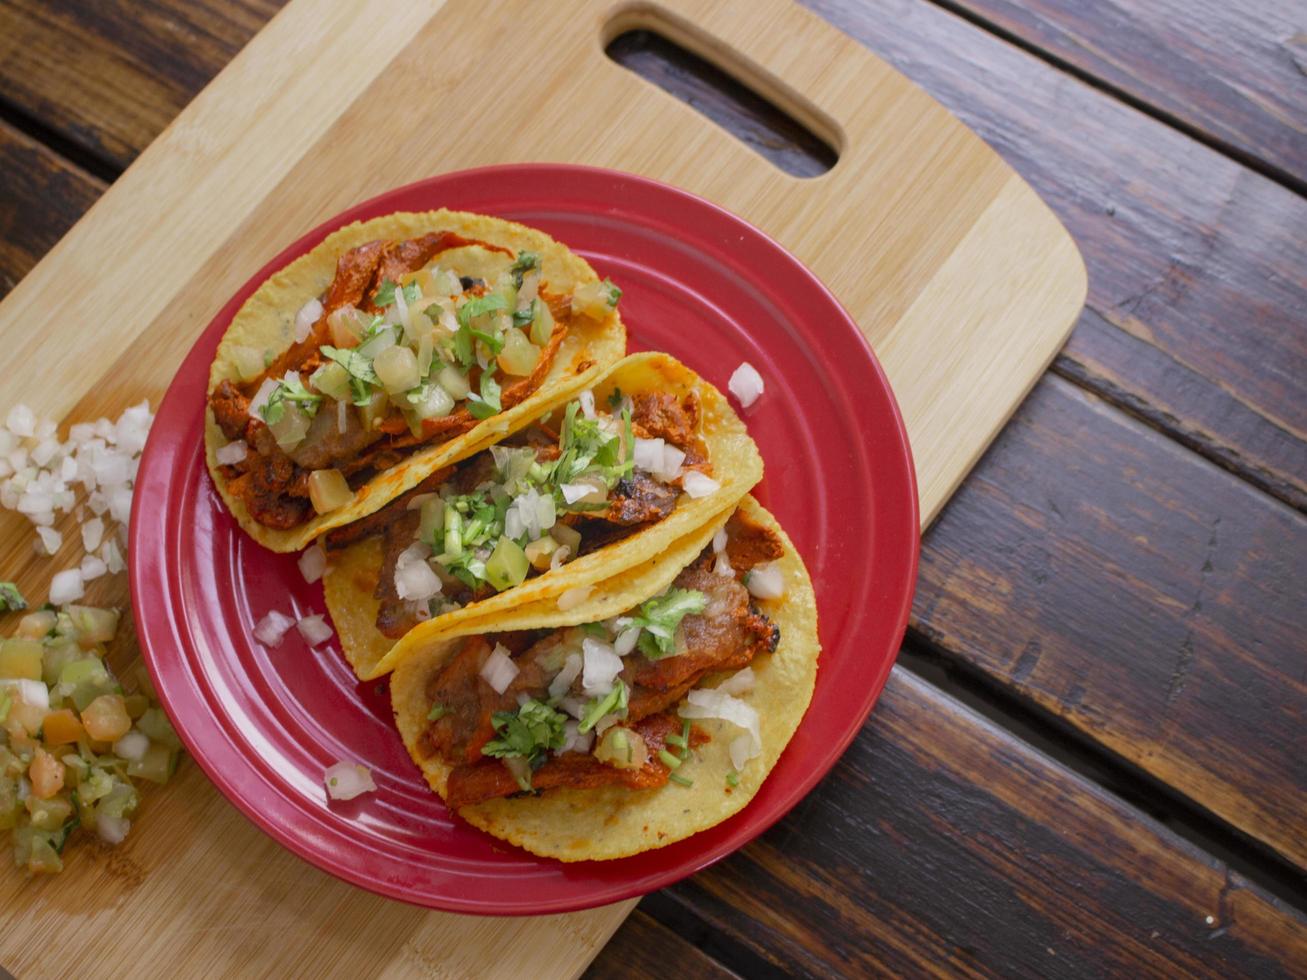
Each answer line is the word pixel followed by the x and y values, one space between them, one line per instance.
pixel 288 134
pixel 1235 73
pixel 43 194
pixel 1150 599
pixel 109 76
pixel 939 844
pixel 644 947
pixel 1197 312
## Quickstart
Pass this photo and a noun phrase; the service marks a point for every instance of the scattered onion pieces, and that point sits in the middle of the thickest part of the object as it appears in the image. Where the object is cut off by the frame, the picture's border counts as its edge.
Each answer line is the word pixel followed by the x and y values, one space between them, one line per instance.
pixel 312 563
pixel 314 629
pixel 746 384
pixel 272 628
pixel 346 780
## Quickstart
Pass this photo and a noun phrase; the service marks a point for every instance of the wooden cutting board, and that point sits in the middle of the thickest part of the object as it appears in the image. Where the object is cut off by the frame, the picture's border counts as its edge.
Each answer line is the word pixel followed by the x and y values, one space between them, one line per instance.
pixel 961 278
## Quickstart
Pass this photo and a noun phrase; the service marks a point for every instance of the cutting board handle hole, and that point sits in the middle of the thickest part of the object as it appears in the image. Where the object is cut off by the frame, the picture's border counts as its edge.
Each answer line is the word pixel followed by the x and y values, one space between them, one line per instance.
pixel 728 93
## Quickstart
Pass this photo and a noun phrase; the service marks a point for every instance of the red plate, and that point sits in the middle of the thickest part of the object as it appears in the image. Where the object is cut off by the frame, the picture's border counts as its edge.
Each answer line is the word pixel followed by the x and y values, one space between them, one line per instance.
pixel 697 282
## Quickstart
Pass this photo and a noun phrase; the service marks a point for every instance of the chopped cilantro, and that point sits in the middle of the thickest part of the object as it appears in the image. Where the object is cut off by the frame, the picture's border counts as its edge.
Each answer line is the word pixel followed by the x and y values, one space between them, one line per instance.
pixel 612 291
pixel 385 294
pixel 660 616
pixel 291 390
pixel 411 292
pixel 615 399
pixel 522 318
pixel 362 378
pixel 487 403
pixel 524 262
pixel 493 343
pixel 596 630
pixel 479 306
pixel 614 702
pixel 436 713
pixel 11 600
pixel 529 732
pixel 732 778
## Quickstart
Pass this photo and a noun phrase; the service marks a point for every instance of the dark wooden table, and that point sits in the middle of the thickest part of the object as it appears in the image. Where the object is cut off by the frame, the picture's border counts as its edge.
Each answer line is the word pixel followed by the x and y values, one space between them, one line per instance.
pixel 1092 757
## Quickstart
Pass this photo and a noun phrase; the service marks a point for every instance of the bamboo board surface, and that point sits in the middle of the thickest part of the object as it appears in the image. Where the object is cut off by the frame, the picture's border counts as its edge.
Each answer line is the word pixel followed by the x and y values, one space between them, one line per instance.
pixel 963 281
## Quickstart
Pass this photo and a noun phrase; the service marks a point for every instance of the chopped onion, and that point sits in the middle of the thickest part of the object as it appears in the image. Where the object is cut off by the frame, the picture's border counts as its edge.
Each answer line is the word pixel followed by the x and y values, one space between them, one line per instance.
pixel 66 587
pixel 574 740
pixel 92 534
pixel 560 555
pixel 415 581
pixel 92 568
pixel 499 670
pixel 741 682
pixel 722 566
pixel 346 780
pixel 712 703
pixel 328 490
pixel 573 705
pixel 586 490
pixel 132 746
pixel 271 628
pixel 719 541
pixel 314 629
pixel 658 458
pixel 746 384
pixel 698 485
pixel 111 829
pixel 30 692
pixel 21 421
pixel 232 453
pixel 308 315
pixel 587 400
pixel 601 667
pixel 562 682
pixel 312 563
pixel 574 597
pixel 766 581
pixel 626 641
pixel 50 539
pixel 261 397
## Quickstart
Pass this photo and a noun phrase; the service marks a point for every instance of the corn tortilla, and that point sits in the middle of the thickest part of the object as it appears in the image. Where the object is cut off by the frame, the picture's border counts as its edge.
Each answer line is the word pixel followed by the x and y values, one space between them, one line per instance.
pixel 736 464
pixel 614 822
pixel 266 322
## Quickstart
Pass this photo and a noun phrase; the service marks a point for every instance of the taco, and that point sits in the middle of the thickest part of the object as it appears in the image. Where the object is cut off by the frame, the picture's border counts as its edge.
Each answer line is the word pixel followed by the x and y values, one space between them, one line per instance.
pixel 596 488
pixel 614 736
pixel 395 347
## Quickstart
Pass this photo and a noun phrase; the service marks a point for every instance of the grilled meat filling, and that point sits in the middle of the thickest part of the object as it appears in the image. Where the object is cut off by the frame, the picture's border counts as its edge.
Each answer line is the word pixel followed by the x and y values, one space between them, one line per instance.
pixel 272 483
pixel 727 635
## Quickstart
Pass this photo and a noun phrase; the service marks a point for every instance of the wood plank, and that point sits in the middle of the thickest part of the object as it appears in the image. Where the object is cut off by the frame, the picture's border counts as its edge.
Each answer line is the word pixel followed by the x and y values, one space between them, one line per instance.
pixel 43 195
pixel 1198 266
pixel 1231 72
pixel 109 76
pixel 1150 599
pixel 643 947
pixel 940 844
